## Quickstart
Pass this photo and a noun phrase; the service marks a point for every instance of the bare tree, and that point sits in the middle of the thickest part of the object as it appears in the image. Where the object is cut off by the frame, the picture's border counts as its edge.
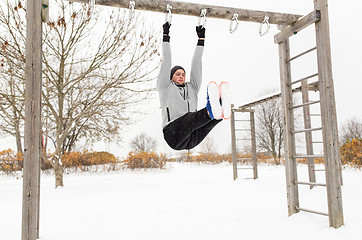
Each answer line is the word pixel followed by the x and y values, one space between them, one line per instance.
pixel 269 128
pixel 351 129
pixel 97 67
pixel 143 143
pixel 12 70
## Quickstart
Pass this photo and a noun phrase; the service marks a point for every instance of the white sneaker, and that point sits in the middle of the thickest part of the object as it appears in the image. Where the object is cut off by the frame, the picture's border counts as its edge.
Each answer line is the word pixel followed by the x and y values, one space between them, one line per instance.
pixel 225 93
pixel 213 101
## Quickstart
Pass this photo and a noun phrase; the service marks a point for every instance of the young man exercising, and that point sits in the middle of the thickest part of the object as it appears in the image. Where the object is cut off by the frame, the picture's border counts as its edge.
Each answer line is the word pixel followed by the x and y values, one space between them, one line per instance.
pixel 184 127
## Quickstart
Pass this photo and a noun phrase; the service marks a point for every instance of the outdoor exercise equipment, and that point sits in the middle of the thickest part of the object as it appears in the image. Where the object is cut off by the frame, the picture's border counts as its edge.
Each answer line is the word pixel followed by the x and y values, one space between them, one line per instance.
pixel 288 24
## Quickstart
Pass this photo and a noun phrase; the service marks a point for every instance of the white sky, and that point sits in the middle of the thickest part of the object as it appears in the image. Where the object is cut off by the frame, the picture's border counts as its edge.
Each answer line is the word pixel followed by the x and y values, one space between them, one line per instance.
pixel 250 62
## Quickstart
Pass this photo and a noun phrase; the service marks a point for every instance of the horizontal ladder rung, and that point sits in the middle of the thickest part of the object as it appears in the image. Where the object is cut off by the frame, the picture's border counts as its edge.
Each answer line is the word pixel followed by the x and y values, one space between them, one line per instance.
pixel 304 104
pixel 321 170
pixel 244 168
pixel 315 115
pixel 311 211
pixel 303 53
pixel 302 79
pixel 307 130
pixel 241 129
pixel 308 156
pixel 312 184
pixel 316 142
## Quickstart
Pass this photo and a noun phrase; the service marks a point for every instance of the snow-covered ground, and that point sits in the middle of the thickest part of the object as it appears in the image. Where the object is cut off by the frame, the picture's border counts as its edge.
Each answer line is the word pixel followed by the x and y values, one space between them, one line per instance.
pixel 185 201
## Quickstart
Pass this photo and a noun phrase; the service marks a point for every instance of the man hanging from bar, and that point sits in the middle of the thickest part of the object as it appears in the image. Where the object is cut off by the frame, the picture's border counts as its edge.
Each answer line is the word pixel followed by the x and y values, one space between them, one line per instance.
pixel 183 126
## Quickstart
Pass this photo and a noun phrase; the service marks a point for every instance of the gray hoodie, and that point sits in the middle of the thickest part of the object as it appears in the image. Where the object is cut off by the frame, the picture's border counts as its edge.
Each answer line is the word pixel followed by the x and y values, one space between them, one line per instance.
pixel 175 100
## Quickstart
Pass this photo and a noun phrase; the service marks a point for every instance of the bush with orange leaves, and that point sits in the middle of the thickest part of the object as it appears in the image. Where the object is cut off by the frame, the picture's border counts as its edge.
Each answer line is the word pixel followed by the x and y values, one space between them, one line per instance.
pixel 351 153
pixel 316 160
pixel 10 161
pixel 144 160
pixel 90 161
pixel 214 158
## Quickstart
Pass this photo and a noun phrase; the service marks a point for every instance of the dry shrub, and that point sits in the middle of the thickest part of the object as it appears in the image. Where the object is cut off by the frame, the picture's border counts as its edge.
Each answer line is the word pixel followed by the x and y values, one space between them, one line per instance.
pixel 351 153
pixel 316 161
pixel 268 159
pixel 10 162
pixel 212 158
pixel 145 160
pixel 90 161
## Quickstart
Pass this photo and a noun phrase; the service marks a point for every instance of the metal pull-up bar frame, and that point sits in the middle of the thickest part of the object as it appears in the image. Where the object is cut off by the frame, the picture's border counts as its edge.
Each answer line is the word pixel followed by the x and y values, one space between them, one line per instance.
pixel 194 9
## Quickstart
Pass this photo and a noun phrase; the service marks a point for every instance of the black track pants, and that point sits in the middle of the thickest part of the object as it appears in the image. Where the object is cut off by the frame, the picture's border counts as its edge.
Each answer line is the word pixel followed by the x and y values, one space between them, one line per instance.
pixel 188 131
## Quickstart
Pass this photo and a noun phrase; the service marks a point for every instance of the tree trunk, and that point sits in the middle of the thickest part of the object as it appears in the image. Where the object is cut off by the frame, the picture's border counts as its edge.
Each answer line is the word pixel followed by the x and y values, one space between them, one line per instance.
pixel 18 139
pixel 58 167
pixel 17 132
pixel 58 170
pixel 19 146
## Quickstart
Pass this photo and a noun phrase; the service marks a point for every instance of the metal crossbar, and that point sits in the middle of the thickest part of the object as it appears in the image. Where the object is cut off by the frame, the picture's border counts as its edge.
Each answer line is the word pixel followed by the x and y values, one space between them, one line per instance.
pixel 307 130
pixel 311 211
pixel 311 184
pixel 241 129
pixel 305 104
pixel 244 168
pixel 303 53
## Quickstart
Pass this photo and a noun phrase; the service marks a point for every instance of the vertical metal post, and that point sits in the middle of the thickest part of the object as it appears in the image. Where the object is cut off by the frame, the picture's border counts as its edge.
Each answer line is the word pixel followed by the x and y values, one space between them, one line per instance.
pixel 288 125
pixel 308 135
pixel 253 145
pixel 32 130
pixel 329 117
pixel 233 142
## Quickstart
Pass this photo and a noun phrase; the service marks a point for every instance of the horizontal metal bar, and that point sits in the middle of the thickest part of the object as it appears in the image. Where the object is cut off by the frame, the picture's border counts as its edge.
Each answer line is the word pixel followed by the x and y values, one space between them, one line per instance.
pixel 244 168
pixel 304 104
pixel 317 142
pixel 308 156
pixel 311 211
pixel 319 170
pixel 240 129
pixel 303 53
pixel 307 130
pixel 315 115
pixel 302 79
pixel 311 183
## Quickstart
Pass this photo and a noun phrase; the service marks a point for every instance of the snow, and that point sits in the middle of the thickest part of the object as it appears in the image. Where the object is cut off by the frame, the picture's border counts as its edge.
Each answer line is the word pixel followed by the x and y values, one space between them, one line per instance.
pixel 184 201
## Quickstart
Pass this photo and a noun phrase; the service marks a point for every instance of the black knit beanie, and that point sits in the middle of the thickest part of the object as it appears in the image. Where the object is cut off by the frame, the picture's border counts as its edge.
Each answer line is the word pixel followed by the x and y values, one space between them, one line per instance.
pixel 174 69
